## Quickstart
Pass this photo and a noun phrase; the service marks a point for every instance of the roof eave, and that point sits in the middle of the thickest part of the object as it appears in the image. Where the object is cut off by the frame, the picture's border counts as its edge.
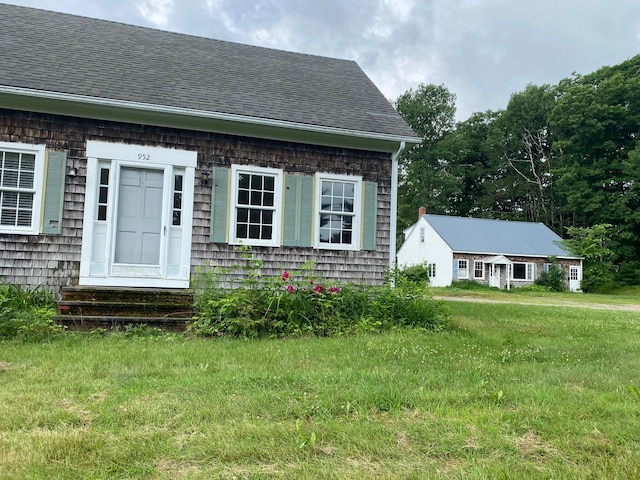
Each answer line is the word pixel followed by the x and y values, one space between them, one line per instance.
pixel 17 98
pixel 536 255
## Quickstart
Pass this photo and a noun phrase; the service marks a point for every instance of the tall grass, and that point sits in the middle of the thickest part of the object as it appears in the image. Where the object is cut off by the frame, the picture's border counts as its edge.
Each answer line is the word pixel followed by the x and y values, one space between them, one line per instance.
pixel 511 391
pixel 25 312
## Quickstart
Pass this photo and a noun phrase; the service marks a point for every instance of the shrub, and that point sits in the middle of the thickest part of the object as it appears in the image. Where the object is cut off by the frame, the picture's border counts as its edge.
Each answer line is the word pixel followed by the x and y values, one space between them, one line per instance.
pixel 298 303
pixel 26 313
pixel 553 278
pixel 417 274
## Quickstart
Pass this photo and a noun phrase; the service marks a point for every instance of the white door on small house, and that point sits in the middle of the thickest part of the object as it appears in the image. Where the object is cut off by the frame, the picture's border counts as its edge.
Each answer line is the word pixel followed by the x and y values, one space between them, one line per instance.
pixel 138 216
pixel 494 275
pixel 575 278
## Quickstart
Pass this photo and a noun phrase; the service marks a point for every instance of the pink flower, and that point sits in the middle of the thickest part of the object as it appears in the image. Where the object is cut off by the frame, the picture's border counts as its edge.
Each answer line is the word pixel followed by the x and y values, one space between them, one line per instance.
pixel 334 290
pixel 290 288
pixel 318 288
pixel 285 276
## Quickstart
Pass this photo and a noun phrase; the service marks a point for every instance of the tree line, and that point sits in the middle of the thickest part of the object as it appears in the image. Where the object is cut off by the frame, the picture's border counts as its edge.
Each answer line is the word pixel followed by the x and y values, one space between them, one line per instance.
pixel 566 155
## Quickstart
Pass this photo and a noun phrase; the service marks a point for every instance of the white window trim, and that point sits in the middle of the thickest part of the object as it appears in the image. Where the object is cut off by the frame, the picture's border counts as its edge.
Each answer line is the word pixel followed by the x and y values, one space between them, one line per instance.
pixel 357 211
pixel 38 188
pixel 529 271
pixel 466 269
pixel 481 277
pixel 277 202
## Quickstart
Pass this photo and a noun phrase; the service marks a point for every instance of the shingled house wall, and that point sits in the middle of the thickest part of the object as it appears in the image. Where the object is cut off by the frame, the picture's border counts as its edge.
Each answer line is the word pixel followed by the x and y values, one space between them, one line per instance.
pixel 54 260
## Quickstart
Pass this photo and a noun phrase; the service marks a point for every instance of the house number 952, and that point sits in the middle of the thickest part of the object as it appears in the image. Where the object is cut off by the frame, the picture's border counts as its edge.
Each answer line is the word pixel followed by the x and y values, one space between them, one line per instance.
pixel 144 156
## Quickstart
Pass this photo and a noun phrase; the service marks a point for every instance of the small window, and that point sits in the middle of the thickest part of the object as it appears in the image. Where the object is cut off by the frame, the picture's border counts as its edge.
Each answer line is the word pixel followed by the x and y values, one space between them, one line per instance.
pixel 21 173
pixel 431 270
pixel 478 269
pixel 463 269
pixel 421 234
pixel 103 193
pixel 522 271
pixel 178 180
pixel 338 219
pixel 256 197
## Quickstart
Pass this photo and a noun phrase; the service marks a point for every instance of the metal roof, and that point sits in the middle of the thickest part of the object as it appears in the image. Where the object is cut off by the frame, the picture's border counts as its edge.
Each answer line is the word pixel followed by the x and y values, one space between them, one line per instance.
pixel 44 51
pixel 497 237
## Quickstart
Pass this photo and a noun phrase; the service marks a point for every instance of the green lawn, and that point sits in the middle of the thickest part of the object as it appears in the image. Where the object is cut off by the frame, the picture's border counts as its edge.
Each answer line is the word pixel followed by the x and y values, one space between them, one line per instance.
pixel 511 391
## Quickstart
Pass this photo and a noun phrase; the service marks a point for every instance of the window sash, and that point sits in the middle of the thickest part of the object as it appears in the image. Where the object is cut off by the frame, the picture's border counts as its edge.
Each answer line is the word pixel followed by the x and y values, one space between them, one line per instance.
pixel 21 173
pixel 478 269
pixel 339 213
pixel 463 269
pixel 256 203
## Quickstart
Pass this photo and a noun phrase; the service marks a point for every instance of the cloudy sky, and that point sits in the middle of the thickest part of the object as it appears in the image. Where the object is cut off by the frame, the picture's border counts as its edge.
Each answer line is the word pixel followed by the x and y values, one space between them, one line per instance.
pixel 481 50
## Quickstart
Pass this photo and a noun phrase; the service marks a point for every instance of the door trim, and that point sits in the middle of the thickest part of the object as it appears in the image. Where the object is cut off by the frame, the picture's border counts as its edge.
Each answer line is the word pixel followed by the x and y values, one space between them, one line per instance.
pixel 98 236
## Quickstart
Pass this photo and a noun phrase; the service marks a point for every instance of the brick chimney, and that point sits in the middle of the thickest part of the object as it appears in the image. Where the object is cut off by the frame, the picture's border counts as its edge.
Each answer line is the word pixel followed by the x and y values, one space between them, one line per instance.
pixel 422 211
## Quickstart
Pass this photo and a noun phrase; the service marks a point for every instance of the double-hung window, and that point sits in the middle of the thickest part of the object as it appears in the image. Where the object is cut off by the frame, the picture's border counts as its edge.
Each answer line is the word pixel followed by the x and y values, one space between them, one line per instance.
pixel 338 215
pixel 21 170
pixel 478 270
pixel 257 205
pixel 463 269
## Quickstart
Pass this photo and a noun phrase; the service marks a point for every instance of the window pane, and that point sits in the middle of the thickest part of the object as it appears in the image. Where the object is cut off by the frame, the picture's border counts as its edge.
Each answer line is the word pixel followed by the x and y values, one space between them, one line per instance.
pixel 267 217
pixel 256 198
pixel 519 271
pixel 349 190
pixel 8 217
pixel 10 178
pixel 326 188
pixel 10 199
pixel 256 182
pixel 177 200
pixel 348 205
pixel 243 181
pixel 254 216
pixel 177 218
pixel 268 199
pixel 254 231
pixel 104 176
pixel 243 197
pixel 270 184
pixel 102 196
pixel 241 230
pixel 267 232
pixel 26 179
pixel 25 200
pixel 177 184
pixel 102 212
pixel 243 215
pixel 338 189
pixel 24 218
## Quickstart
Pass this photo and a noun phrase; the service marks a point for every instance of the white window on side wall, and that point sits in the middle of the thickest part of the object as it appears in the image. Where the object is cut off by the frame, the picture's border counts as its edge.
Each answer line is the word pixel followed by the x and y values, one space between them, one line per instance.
pixel 431 270
pixel 339 216
pixel 256 195
pixel 21 175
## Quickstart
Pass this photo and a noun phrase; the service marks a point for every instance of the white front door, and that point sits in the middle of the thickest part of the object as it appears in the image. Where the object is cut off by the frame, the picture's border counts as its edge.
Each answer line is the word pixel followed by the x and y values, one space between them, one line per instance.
pixel 575 278
pixel 138 216
pixel 494 276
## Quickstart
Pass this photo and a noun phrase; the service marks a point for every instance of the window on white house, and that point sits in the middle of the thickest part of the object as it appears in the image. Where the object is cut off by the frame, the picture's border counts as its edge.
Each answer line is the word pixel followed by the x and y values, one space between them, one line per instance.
pixel 21 173
pixel 431 270
pixel 421 234
pixel 522 271
pixel 478 269
pixel 463 269
pixel 178 187
pixel 256 208
pixel 339 217
pixel 103 193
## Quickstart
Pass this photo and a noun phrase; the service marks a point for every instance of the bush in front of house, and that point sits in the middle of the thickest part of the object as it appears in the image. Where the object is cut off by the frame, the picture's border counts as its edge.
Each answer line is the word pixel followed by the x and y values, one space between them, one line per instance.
pixel 26 313
pixel 298 303
pixel 553 278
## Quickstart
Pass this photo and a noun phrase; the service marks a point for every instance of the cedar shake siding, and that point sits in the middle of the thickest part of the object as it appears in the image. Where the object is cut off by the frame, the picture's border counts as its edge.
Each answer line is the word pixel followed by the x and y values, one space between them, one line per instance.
pixel 54 260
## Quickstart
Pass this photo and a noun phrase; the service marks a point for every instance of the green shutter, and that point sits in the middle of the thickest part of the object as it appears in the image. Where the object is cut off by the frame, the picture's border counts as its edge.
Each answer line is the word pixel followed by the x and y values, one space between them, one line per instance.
pixel 53 201
pixel 219 202
pixel 298 211
pixel 369 215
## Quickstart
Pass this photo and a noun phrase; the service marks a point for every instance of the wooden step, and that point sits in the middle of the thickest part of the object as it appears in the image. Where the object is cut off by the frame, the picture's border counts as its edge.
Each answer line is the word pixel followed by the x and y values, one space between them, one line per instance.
pixel 80 322
pixel 106 307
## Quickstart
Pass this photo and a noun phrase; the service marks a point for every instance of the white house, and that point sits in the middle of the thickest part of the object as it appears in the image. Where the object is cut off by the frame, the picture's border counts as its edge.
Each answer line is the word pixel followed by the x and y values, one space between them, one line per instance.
pixel 498 253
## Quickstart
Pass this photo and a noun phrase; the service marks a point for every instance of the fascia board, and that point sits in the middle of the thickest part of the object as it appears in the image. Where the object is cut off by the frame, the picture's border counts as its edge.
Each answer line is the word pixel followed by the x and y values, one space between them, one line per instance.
pixel 159 115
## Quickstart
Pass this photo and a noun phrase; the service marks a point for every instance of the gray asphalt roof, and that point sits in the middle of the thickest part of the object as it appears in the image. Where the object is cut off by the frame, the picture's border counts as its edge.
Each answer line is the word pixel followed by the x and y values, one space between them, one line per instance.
pixel 69 54
pixel 497 237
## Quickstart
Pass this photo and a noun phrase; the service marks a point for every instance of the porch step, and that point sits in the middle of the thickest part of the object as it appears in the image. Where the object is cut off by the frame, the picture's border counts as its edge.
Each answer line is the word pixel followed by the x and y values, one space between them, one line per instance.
pixel 105 307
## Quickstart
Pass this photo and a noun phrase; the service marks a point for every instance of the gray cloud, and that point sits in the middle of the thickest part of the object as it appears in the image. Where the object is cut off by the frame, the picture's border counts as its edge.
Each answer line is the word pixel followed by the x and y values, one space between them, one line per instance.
pixel 482 50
